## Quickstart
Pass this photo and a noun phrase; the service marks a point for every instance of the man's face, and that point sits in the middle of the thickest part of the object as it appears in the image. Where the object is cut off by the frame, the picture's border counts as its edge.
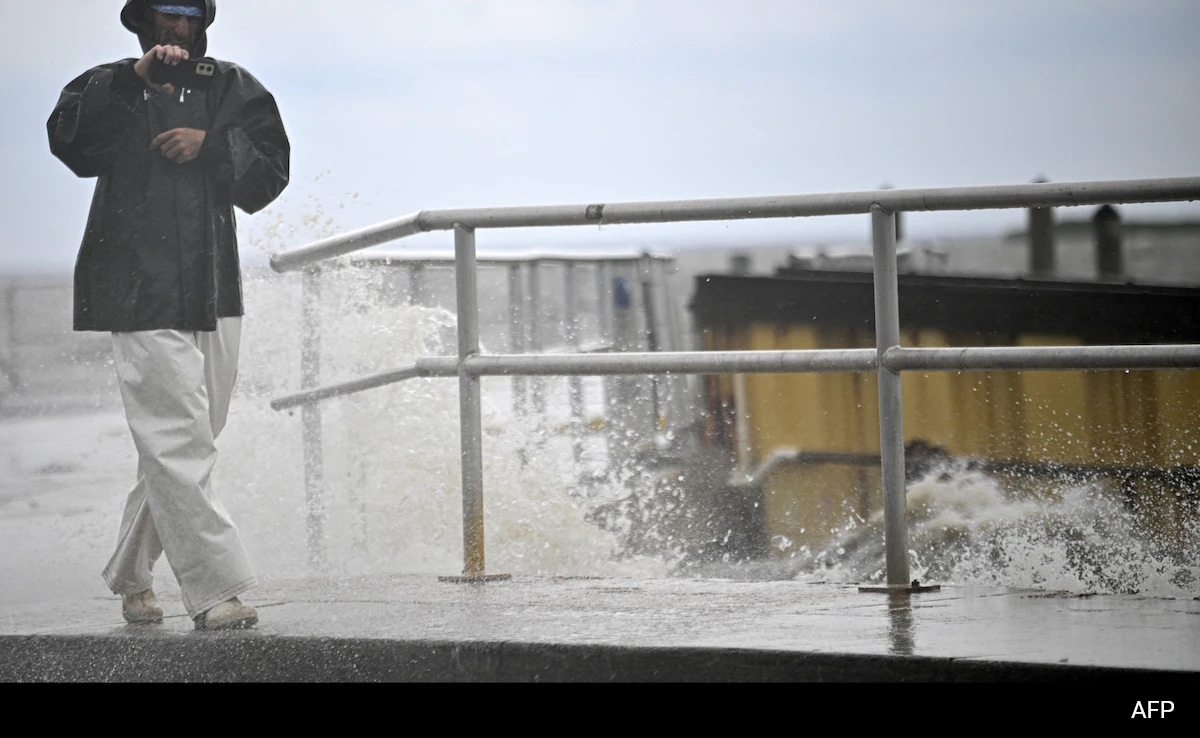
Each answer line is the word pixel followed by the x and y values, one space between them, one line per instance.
pixel 176 30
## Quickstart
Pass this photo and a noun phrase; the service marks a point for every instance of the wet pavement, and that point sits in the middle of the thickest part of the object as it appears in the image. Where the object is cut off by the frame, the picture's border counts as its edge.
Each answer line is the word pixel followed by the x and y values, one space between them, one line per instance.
pixel 422 628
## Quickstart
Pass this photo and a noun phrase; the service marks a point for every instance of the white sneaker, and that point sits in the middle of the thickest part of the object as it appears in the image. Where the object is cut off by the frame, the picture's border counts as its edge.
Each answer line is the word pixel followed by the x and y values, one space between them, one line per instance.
pixel 227 615
pixel 141 607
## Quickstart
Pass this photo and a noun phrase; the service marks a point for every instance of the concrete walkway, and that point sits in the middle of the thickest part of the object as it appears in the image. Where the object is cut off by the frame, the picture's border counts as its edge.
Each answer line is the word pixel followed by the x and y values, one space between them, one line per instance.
pixel 528 629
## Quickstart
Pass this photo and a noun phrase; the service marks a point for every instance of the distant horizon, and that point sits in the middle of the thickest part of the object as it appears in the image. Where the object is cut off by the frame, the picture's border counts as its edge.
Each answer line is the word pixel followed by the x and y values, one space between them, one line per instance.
pixel 504 241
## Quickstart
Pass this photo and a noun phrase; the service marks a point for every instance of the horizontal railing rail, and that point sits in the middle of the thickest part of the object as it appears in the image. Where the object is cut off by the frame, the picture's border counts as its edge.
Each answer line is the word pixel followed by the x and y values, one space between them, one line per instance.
pixel 507 258
pixel 1079 358
pixel 978 358
pixel 888 358
pixel 998 197
pixel 604 364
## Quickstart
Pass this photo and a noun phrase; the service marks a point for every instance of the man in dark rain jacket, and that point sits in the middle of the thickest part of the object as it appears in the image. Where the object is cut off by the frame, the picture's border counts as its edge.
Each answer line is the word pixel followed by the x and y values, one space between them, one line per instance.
pixel 158 268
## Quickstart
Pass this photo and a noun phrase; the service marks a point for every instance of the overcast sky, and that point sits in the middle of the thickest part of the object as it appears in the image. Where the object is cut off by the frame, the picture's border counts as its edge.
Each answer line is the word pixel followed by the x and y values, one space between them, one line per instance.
pixel 396 106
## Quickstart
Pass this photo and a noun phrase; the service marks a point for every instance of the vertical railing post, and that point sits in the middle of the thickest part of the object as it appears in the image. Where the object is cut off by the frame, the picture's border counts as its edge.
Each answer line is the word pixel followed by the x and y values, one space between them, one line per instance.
pixel 516 334
pixel 646 275
pixel 1106 225
pixel 623 400
pixel 574 382
pixel 604 303
pixel 1042 259
pixel 469 401
pixel 534 326
pixel 675 385
pixel 310 415
pixel 891 418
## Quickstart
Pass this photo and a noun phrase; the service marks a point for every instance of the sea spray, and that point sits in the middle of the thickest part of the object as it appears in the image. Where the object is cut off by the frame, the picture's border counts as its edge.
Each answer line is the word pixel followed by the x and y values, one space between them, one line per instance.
pixel 390 489
pixel 967 527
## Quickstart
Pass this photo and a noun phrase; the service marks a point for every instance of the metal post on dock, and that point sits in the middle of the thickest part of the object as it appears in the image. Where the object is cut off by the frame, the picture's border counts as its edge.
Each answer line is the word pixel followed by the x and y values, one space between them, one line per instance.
pixel 516 335
pixel 621 392
pixel 645 269
pixel 898 216
pixel 604 302
pixel 469 403
pixel 1106 224
pixel 1041 239
pixel 534 327
pixel 574 383
pixel 891 420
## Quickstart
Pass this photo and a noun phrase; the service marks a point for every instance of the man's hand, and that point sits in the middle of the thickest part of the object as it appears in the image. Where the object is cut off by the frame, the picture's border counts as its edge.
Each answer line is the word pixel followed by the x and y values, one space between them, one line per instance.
pixel 179 144
pixel 171 55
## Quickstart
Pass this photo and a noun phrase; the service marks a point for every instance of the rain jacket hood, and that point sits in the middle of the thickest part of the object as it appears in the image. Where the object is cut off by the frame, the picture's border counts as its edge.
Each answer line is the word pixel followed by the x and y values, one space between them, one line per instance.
pixel 135 13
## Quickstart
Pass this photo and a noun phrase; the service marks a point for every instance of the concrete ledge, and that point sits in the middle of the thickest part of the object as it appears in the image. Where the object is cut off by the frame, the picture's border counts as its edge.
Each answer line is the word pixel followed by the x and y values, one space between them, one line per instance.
pixel 250 657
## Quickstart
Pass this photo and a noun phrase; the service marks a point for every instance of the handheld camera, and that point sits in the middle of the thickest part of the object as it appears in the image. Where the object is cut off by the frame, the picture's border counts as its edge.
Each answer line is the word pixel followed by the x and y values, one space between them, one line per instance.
pixel 193 74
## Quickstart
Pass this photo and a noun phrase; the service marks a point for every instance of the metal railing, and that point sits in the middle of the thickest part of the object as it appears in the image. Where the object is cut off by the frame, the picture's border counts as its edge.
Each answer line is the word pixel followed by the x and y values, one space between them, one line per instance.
pixel 888 358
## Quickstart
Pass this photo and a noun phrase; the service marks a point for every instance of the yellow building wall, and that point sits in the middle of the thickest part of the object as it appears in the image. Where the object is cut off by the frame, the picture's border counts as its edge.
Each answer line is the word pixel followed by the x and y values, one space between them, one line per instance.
pixel 1102 418
pixel 834 413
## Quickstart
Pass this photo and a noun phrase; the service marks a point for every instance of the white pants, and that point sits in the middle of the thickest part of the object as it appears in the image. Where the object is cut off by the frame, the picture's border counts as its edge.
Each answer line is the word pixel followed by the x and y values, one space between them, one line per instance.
pixel 176 386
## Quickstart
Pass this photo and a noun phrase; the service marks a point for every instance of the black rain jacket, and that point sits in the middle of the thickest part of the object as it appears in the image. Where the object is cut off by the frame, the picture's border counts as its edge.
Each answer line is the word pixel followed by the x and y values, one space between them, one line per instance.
pixel 160 247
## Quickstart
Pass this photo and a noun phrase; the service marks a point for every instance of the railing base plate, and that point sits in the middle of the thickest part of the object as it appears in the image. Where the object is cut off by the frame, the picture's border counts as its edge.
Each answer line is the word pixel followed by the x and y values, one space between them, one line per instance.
pixel 476 578
pixel 915 586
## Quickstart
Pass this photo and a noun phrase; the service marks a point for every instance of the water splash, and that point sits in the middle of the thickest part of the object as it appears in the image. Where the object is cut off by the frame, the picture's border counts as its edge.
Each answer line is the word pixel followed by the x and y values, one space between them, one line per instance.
pixel 966 527
pixel 392 490
pixel 391 493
